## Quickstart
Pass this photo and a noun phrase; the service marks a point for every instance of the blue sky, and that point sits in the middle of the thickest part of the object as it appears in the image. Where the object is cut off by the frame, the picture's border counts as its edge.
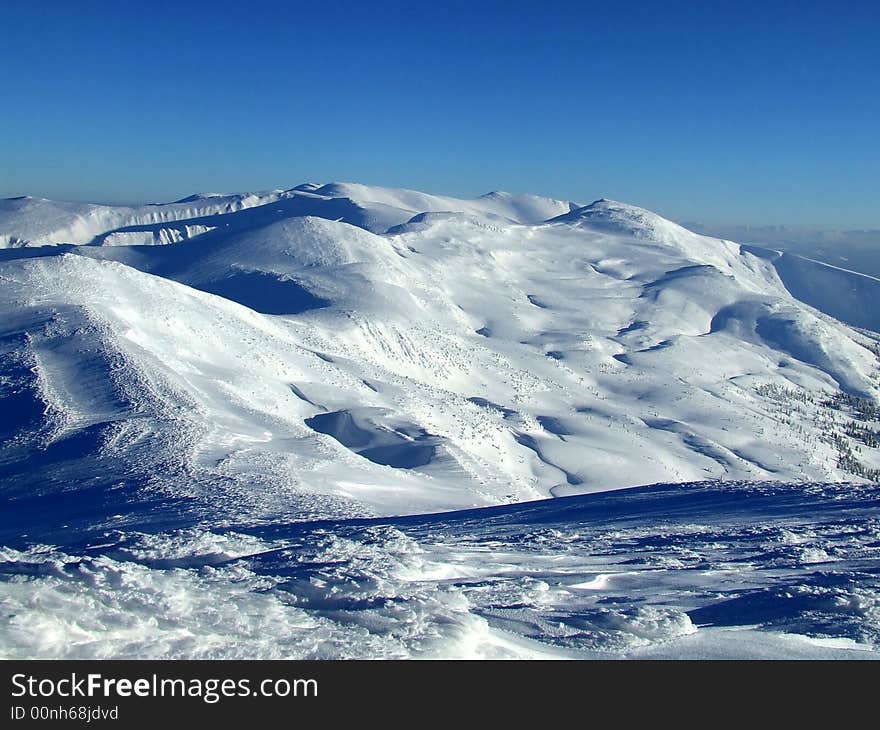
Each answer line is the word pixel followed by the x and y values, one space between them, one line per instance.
pixel 724 112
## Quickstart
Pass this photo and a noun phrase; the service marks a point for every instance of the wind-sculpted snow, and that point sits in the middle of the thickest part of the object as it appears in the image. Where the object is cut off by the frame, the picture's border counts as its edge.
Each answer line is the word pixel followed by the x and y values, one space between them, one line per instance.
pixel 29 221
pixel 293 359
pixel 698 570
pixel 35 221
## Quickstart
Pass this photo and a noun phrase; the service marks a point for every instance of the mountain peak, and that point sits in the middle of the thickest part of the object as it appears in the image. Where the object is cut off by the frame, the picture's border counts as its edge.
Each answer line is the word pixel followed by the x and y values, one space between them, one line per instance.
pixel 613 216
pixel 196 197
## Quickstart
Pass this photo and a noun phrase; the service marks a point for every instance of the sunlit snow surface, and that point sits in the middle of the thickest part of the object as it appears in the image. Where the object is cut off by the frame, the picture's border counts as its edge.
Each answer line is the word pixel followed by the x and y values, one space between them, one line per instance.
pixel 709 569
pixel 213 413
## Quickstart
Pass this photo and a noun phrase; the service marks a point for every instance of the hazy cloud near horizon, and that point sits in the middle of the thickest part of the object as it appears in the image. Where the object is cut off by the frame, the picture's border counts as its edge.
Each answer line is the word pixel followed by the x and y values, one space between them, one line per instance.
pixel 786 234
pixel 858 250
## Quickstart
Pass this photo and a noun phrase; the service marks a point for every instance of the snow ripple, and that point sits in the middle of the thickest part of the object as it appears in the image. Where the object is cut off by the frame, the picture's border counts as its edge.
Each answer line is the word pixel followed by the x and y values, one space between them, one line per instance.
pixel 671 570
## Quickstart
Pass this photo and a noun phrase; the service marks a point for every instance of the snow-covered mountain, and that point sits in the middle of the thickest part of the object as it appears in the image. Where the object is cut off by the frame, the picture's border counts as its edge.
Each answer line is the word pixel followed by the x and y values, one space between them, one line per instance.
pixel 341 350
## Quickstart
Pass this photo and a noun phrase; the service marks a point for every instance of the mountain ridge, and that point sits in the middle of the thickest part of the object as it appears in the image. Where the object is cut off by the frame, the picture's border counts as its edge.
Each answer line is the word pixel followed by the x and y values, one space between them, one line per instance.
pixel 480 359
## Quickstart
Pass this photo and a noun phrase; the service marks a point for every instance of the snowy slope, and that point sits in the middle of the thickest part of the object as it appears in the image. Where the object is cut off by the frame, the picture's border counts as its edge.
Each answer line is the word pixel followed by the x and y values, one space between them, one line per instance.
pixel 344 351
pixel 704 570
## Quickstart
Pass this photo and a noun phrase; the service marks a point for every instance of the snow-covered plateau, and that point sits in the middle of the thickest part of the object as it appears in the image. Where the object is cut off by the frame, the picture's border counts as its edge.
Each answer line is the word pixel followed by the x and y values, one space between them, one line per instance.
pixel 349 421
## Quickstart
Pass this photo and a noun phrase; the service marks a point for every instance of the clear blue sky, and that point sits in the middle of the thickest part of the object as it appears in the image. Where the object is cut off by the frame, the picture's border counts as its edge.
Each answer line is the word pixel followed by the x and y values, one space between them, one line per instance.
pixel 724 112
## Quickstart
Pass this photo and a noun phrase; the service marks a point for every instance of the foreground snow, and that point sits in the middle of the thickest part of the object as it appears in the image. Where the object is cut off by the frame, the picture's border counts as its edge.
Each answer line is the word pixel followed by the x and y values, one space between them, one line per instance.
pixel 698 570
